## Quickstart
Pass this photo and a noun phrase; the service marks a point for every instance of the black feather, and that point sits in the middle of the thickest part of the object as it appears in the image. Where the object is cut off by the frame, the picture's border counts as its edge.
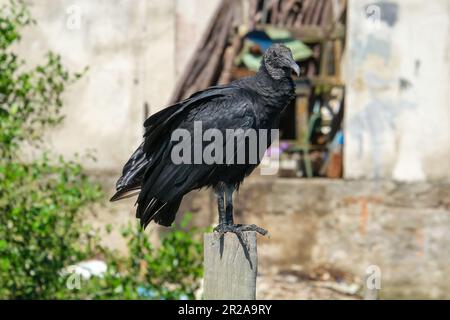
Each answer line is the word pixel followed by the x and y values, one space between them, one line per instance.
pixel 254 102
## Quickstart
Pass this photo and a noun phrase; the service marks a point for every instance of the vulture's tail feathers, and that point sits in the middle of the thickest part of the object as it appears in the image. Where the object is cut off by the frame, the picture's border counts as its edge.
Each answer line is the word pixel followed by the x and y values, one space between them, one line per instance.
pixel 129 184
pixel 162 213
pixel 125 193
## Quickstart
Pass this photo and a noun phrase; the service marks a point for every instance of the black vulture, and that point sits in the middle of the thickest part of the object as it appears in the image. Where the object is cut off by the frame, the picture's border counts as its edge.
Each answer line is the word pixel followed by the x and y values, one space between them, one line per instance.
pixel 252 103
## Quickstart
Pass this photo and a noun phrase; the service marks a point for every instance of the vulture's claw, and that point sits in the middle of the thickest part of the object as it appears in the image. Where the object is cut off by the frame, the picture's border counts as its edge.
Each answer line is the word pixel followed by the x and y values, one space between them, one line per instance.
pixel 238 229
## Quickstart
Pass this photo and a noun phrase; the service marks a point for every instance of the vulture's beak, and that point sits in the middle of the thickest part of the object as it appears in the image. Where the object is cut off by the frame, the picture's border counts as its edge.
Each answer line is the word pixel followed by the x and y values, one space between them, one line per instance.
pixel 294 66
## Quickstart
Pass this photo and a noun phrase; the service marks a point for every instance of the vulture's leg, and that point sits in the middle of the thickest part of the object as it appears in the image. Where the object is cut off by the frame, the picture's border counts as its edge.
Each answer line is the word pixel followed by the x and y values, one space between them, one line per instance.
pixel 226 222
pixel 229 189
pixel 220 203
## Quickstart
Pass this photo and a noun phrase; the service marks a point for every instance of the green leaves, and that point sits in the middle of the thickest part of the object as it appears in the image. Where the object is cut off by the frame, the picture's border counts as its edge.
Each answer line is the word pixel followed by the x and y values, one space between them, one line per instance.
pixel 30 98
pixel 41 228
pixel 41 233
pixel 170 271
pixel 13 16
pixel 40 224
pixel 40 200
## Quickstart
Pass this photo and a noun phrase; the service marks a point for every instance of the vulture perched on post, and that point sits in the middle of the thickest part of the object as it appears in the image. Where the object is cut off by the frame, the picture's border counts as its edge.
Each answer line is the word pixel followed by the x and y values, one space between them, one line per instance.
pixel 160 179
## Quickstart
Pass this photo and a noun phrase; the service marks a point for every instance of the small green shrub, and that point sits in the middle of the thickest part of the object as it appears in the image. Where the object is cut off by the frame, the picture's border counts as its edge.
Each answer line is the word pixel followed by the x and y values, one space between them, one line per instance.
pixel 41 226
pixel 40 200
pixel 170 271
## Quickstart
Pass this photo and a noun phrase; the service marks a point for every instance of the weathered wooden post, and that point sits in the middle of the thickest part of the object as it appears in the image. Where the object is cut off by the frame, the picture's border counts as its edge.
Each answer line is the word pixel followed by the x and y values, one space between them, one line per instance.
pixel 230 266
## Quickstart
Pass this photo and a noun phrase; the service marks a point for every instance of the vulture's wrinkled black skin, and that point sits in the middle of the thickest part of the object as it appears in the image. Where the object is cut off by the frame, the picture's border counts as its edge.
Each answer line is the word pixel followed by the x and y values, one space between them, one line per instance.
pixel 254 102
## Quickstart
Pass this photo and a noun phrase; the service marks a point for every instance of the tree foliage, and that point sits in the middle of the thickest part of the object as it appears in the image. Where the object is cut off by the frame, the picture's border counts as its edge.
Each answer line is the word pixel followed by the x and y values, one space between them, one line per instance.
pixel 41 201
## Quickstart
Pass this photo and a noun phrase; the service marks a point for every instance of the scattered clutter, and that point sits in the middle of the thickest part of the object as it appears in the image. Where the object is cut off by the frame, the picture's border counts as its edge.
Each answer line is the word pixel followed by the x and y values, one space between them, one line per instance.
pixel 87 269
pixel 323 282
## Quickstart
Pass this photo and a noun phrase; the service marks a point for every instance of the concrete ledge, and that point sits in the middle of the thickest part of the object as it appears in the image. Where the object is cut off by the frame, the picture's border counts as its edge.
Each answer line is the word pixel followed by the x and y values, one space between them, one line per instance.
pixel 350 225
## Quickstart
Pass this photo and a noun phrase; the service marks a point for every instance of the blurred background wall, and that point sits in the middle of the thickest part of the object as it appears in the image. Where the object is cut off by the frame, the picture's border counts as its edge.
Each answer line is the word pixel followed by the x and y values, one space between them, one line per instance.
pixel 135 51
pixel 398 90
pixel 396 76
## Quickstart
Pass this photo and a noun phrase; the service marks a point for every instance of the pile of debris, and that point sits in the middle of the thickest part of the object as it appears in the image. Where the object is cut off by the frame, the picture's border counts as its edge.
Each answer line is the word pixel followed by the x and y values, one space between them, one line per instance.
pixel 213 59
pixel 232 47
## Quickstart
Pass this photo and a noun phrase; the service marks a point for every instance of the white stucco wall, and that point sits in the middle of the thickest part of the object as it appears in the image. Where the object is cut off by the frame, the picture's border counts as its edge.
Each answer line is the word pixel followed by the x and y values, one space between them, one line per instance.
pixel 397 80
pixel 135 50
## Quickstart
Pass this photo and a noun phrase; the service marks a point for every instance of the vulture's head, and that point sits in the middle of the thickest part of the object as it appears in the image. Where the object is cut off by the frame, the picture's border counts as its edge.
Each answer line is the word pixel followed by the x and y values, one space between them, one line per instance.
pixel 279 62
